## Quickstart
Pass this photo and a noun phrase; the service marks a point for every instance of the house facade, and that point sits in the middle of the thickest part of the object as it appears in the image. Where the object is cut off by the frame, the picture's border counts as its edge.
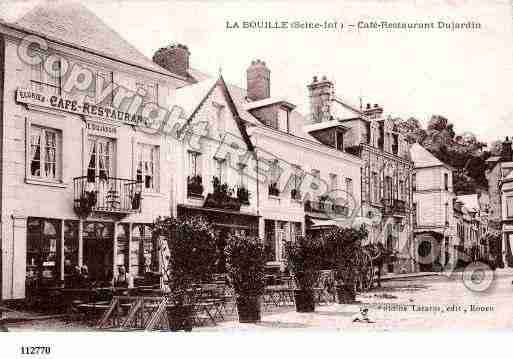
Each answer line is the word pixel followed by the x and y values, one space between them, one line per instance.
pixel 386 190
pixel 434 224
pixel 80 179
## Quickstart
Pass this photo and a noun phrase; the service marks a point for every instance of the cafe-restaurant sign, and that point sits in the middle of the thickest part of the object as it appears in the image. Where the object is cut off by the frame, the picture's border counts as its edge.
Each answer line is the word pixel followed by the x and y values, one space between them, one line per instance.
pixel 77 107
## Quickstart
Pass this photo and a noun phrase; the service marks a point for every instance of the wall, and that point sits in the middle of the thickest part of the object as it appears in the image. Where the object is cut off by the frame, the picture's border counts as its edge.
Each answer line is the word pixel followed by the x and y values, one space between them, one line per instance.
pixel 25 198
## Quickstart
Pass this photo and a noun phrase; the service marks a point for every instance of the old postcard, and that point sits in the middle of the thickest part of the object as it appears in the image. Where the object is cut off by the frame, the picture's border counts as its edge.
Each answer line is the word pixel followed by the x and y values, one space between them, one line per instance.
pixel 172 166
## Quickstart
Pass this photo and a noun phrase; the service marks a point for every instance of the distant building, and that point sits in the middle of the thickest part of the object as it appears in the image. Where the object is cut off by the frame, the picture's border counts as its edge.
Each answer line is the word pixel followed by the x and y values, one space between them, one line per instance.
pixel 434 226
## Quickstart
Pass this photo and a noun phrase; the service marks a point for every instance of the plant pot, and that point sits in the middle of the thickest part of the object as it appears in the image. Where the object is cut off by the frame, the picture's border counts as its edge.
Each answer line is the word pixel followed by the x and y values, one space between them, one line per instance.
pixel 305 301
pixel 248 308
pixel 180 317
pixel 345 294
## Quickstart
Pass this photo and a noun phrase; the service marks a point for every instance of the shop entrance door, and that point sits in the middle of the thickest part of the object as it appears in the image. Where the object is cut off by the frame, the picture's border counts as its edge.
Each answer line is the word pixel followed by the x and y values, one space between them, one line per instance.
pixel 99 250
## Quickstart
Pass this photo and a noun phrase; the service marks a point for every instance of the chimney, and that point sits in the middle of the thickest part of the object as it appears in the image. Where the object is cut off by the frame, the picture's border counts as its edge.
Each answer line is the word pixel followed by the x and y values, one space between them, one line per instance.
pixel 373 111
pixel 258 77
pixel 321 93
pixel 506 152
pixel 174 58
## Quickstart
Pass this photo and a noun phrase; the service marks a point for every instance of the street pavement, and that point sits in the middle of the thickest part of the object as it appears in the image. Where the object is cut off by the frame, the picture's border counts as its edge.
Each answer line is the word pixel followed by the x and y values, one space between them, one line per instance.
pixel 409 304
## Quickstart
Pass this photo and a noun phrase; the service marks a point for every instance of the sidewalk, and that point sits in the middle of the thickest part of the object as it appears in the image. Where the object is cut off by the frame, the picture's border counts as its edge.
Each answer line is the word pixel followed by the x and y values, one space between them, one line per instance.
pixel 394 276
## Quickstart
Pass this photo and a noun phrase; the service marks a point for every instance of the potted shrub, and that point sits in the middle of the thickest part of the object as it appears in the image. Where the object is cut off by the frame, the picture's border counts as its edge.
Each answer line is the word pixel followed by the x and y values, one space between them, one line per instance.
pixel 304 260
pixel 191 260
pixel 194 186
pixel 245 262
pixel 341 247
pixel 243 195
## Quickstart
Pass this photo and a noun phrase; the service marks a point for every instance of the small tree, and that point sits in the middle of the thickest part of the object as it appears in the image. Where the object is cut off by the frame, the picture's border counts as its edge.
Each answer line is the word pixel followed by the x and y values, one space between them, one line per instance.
pixel 192 254
pixel 341 246
pixel 246 265
pixel 304 258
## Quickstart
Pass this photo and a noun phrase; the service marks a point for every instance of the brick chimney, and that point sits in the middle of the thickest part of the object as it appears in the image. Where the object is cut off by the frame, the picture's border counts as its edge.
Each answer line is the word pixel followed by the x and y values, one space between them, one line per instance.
pixel 373 111
pixel 506 152
pixel 321 93
pixel 258 78
pixel 174 58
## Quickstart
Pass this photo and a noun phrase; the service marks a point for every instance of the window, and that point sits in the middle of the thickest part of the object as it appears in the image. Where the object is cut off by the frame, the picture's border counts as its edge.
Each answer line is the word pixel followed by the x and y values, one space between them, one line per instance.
pixel 414 181
pixel 242 176
pixel 401 195
pixel 45 151
pixel 270 240
pixel 388 187
pixel 43 252
pixel 150 93
pixel 375 187
pixel 349 185
pixel 333 182
pixel 70 248
pixel 147 167
pixel 340 140
pixel 143 251
pixel 274 175
pixel 283 120
pixel 43 81
pixel 101 158
pixel 509 206
pixel 194 163
pixel 446 181
pixel 221 169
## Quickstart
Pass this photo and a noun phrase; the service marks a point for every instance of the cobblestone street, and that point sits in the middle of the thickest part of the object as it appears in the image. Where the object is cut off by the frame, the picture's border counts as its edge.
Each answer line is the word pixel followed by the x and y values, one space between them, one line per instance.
pixel 413 304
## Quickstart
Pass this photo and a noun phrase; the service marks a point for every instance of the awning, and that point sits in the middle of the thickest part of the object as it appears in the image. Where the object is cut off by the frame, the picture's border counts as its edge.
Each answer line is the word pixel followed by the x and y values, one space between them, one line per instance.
pixel 342 223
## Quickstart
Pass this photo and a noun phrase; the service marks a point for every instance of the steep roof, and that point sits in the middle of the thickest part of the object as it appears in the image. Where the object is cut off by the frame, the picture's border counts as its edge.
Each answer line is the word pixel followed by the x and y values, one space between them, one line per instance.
pixel 423 158
pixel 72 23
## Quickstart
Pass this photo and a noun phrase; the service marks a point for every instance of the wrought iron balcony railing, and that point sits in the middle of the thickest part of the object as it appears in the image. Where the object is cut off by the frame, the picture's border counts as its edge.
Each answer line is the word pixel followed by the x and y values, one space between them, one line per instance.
pixel 392 206
pixel 326 207
pixel 106 194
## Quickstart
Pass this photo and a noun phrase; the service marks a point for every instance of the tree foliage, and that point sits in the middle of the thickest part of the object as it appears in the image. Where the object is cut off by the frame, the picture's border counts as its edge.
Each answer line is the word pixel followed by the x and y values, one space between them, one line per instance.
pixel 192 256
pixel 245 262
pixel 464 152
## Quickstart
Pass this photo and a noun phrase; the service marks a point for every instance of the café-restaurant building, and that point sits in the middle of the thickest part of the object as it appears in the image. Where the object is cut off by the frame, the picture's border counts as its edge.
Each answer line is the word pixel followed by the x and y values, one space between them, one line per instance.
pixel 80 178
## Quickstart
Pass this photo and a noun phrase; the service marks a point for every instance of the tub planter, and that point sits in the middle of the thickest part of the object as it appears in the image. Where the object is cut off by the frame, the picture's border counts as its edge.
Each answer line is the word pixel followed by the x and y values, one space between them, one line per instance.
pixel 346 294
pixel 305 301
pixel 248 308
pixel 180 317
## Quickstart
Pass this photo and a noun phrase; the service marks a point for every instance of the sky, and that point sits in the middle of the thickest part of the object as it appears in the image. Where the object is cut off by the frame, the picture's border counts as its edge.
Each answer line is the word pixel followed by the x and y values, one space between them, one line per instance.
pixel 465 76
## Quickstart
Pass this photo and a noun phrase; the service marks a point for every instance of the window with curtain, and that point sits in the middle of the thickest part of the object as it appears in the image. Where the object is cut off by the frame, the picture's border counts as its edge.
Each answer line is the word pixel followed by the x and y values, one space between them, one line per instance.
pixel 45 152
pixel 147 167
pixel 101 158
pixel 221 169
pixel 143 251
pixel 194 163
pixel 243 181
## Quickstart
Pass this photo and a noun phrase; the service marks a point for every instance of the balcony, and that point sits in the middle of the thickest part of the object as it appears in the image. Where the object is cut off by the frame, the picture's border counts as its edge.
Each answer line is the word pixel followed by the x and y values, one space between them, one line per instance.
pixel 326 207
pixel 106 195
pixel 194 186
pixel 394 206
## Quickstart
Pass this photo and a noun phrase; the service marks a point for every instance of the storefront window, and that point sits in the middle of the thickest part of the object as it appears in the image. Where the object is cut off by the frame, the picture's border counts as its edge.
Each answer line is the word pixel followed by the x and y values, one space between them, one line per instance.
pixel 43 251
pixel 70 246
pixel 122 245
pixel 270 241
pixel 143 251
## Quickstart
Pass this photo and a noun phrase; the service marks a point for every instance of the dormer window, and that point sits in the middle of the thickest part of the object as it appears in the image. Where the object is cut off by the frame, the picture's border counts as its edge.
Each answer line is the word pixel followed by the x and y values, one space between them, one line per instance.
pixel 283 120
